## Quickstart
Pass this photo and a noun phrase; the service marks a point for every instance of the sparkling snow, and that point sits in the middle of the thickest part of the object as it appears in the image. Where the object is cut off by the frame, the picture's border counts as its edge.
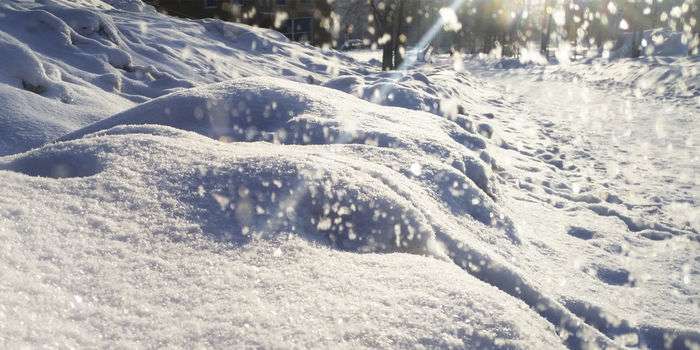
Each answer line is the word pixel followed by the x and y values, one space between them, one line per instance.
pixel 177 183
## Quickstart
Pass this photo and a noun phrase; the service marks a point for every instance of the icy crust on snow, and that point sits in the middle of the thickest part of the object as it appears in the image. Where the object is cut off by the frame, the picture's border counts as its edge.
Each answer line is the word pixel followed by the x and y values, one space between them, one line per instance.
pixel 122 237
pixel 73 63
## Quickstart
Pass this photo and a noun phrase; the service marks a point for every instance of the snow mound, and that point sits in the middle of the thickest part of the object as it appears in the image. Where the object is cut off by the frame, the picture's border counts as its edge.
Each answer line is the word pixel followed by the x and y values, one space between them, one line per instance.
pixel 333 163
pixel 430 91
pixel 196 202
pixel 224 187
pixel 391 89
pixel 282 111
pixel 664 77
pixel 78 62
pixel 60 162
pixel 451 162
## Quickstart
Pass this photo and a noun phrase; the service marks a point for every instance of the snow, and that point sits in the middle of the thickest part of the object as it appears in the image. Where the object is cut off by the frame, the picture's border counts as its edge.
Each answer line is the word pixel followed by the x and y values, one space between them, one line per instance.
pixel 285 112
pixel 658 77
pixel 664 71
pixel 631 162
pixel 135 226
pixel 176 183
pixel 437 92
pixel 95 60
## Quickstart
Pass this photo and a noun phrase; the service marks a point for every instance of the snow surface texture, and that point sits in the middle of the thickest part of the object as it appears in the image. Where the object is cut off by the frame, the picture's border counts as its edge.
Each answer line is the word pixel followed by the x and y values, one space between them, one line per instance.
pixel 664 71
pixel 234 189
pixel 350 195
pixel 187 244
pixel 666 78
pixel 676 79
pixel 625 157
pixel 91 60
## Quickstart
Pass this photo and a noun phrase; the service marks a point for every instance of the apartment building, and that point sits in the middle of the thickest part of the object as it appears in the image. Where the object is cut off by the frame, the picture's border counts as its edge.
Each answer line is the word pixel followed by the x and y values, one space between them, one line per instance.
pixel 296 19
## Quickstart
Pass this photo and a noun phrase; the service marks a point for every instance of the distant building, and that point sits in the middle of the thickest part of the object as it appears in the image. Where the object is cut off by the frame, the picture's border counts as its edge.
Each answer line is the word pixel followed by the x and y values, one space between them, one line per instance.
pixel 300 20
pixel 299 25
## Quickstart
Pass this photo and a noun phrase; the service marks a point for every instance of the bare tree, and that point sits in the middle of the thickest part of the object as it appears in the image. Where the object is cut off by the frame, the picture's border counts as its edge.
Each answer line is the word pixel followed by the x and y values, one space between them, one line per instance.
pixel 546 27
pixel 389 18
pixel 323 15
pixel 398 37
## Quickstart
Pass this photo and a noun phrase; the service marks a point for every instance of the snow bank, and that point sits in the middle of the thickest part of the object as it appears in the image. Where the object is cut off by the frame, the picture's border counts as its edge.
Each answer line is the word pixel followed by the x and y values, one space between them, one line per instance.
pixel 197 204
pixel 664 70
pixel 75 63
pixel 223 187
pixel 345 173
pixel 282 111
pixel 409 90
pixel 434 89
pixel 664 77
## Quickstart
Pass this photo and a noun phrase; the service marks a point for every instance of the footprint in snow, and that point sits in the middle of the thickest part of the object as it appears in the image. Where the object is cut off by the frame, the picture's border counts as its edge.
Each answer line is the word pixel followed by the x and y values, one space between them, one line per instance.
pixel 615 276
pixel 580 232
pixel 656 235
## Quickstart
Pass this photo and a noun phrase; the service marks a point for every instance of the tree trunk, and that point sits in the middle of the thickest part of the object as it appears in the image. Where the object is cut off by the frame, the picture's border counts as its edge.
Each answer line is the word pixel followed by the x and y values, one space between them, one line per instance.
pixel 396 35
pixel 546 29
pixel 323 13
pixel 636 42
pixel 388 56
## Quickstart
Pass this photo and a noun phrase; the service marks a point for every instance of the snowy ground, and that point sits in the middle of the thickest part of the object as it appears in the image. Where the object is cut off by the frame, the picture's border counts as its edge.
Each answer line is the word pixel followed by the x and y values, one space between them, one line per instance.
pixel 171 183
pixel 633 162
pixel 644 148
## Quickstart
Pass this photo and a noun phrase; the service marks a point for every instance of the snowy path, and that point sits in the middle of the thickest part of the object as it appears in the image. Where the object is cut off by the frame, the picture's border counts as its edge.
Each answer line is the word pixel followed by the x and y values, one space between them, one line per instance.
pixel 606 208
pixel 645 152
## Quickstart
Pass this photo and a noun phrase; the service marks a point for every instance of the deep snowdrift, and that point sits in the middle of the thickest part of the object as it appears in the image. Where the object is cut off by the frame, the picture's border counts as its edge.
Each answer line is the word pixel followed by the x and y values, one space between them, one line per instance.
pixel 90 60
pixel 141 208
